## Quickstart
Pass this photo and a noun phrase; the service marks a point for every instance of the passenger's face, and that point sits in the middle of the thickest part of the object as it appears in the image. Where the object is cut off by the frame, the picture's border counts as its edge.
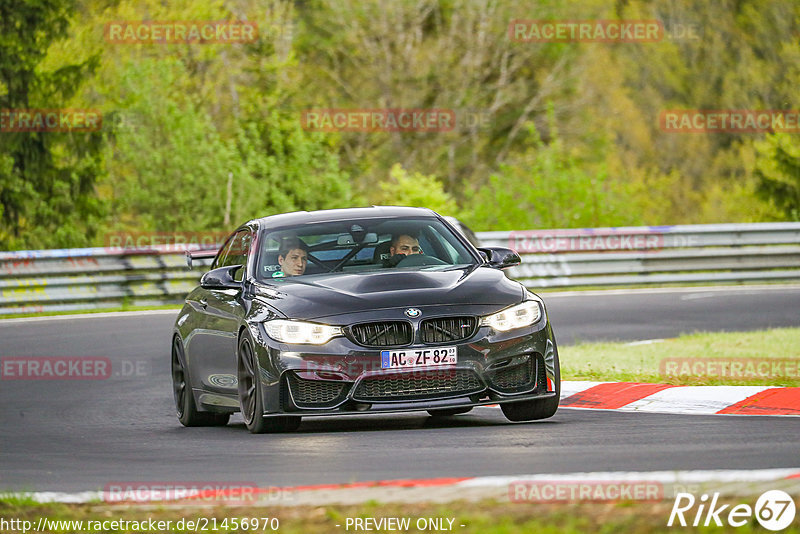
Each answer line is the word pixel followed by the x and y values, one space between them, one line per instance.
pixel 294 264
pixel 405 245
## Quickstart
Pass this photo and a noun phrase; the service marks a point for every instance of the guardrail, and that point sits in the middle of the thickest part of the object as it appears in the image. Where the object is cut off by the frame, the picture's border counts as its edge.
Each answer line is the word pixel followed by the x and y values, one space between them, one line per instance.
pixel 642 255
pixel 35 281
pixel 92 278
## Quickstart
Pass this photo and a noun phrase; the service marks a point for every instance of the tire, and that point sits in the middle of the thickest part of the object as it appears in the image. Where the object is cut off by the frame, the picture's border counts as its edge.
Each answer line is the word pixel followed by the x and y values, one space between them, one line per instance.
pixel 251 399
pixel 447 412
pixel 536 409
pixel 185 408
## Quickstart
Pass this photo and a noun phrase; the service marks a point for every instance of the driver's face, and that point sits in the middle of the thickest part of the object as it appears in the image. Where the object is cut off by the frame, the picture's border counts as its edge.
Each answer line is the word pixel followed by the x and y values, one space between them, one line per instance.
pixel 294 264
pixel 405 244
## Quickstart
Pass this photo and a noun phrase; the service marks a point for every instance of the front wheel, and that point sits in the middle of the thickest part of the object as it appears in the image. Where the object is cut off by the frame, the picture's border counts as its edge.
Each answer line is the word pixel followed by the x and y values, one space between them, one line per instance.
pixel 251 399
pixel 533 410
pixel 185 407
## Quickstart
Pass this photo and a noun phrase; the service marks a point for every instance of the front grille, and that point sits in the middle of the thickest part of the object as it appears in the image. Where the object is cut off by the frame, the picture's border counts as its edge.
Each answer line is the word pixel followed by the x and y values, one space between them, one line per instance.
pixel 315 393
pixel 514 377
pixel 447 329
pixel 418 385
pixel 382 334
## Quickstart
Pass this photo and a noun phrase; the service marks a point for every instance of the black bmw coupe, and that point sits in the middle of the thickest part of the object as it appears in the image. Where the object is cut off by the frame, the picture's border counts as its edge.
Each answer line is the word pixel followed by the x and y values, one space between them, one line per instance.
pixel 355 311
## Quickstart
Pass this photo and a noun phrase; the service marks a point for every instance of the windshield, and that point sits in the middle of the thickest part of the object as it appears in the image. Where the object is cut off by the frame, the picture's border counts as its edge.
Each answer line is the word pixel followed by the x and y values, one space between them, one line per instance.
pixel 359 245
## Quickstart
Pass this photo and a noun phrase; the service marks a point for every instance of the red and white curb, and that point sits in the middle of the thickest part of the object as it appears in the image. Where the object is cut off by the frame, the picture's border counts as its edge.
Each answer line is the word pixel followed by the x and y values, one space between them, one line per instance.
pixel 665 398
pixel 670 483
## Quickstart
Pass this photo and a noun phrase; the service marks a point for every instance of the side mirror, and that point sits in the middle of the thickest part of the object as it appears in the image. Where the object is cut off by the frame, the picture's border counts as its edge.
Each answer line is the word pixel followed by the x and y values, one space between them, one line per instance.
pixel 500 258
pixel 221 278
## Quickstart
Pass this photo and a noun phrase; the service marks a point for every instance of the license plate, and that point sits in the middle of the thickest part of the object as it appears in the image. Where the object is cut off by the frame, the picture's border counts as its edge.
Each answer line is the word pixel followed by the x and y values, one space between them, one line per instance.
pixel 400 359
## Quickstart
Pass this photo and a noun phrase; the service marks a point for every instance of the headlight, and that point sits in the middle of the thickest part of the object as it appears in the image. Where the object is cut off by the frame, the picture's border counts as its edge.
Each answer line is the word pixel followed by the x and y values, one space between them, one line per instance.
pixel 524 314
pixel 299 332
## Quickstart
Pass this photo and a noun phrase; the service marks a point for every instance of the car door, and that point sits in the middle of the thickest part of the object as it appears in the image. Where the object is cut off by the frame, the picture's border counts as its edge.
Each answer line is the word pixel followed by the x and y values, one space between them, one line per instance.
pixel 214 346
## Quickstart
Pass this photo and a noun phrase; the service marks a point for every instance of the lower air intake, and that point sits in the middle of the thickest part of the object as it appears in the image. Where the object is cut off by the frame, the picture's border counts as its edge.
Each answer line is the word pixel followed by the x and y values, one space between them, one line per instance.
pixel 315 393
pixel 515 377
pixel 418 385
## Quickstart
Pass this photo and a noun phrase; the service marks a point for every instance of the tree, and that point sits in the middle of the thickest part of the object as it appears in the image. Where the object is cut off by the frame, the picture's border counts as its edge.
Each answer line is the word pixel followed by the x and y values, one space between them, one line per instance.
pixel 47 179
pixel 432 54
pixel 549 186
pixel 168 165
pixel 778 171
pixel 189 119
pixel 416 189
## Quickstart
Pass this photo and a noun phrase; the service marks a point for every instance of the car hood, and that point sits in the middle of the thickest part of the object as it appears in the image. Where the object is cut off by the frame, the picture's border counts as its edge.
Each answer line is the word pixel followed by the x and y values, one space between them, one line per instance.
pixel 315 296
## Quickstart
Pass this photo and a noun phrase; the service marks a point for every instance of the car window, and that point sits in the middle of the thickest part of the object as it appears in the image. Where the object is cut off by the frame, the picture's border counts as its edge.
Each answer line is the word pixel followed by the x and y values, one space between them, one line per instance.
pixel 465 231
pixel 236 253
pixel 451 252
pixel 220 259
pixel 359 245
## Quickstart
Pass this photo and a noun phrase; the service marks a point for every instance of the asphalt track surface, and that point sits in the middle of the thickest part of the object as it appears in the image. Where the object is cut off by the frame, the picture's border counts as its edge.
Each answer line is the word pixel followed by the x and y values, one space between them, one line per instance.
pixel 82 435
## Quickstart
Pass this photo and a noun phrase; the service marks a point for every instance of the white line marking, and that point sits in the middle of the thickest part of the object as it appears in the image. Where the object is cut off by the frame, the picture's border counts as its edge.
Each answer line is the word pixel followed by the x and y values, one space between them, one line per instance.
pixel 670 411
pixel 65 497
pixel 665 477
pixel 9 322
pixel 696 296
pixel 644 291
pixel 645 342
pixel 728 475
pixel 693 399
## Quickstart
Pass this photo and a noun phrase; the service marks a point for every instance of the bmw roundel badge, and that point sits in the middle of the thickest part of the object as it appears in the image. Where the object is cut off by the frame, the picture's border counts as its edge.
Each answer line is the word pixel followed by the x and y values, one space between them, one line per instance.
pixel 413 312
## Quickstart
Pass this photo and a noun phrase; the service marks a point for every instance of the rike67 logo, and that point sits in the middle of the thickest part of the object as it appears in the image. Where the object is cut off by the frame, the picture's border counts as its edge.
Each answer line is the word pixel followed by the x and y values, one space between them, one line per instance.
pixel 774 510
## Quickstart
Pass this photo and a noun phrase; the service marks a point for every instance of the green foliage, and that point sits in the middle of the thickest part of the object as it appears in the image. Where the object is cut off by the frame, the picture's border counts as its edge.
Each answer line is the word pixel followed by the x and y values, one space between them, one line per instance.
pixel 778 170
pixel 201 124
pixel 549 186
pixel 169 166
pixel 47 196
pixel 546 134
pixel 415 189
pixel 274 165
pixel 290 169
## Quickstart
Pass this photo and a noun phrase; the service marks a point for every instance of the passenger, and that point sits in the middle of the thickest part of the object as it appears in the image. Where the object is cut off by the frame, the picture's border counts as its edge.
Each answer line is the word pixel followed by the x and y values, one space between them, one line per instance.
pixel 293 257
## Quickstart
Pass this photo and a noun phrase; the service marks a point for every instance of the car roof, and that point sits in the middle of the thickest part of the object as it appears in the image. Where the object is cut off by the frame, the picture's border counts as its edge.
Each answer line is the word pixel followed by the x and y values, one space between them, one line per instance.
pixel 300 217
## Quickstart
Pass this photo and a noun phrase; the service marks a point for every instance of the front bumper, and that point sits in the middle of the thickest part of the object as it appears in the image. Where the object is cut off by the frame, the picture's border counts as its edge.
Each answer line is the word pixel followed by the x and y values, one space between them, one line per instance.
pixel 342 377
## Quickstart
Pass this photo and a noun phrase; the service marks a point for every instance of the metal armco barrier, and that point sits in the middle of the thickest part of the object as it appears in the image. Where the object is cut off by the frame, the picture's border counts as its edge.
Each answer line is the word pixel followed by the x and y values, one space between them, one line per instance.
pixel 709 253
pixel 79 279
pixel 34 281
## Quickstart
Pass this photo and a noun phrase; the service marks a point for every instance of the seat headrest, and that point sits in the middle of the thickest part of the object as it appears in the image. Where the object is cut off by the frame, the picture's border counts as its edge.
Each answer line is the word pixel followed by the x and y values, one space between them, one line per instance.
pixel 381 252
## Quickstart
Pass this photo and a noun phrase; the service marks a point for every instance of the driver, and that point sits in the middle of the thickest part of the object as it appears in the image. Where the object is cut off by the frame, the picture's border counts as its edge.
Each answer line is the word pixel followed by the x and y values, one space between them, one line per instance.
pixel 293 257
pixel 405 244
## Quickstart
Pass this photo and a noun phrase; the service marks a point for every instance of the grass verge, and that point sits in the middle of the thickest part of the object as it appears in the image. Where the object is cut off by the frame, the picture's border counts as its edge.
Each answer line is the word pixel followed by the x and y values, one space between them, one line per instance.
pixel 765 357
pixel 485 517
